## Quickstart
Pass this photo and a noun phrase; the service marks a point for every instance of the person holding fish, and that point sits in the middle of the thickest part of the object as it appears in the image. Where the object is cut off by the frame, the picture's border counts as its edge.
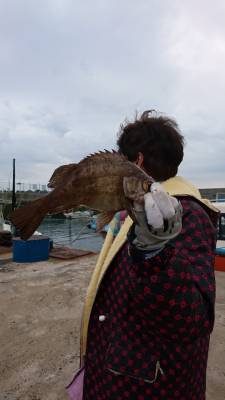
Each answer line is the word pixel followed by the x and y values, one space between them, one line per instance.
pixel 149 310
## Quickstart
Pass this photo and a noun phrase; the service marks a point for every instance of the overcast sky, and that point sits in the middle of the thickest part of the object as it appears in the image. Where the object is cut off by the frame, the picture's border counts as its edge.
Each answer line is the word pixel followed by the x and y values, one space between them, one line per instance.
pixel 71 71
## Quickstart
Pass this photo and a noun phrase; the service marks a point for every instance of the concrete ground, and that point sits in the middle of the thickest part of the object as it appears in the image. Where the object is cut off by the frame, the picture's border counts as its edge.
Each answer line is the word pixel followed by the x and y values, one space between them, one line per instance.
pixel 40 311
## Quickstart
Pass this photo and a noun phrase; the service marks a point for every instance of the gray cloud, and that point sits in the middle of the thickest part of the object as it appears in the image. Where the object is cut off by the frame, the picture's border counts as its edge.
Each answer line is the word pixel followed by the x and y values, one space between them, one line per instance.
pixel 72 71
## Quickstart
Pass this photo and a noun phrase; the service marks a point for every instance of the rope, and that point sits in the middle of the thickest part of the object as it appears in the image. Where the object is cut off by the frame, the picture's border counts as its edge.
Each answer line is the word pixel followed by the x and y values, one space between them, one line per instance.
pixel 79 233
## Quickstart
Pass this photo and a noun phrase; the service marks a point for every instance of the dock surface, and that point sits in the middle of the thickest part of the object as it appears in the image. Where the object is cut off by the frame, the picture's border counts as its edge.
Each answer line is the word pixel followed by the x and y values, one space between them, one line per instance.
pixel 40 309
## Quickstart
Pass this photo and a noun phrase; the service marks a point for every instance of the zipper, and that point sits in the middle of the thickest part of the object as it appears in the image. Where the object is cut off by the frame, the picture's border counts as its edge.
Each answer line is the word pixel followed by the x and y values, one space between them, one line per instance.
pixel 157 370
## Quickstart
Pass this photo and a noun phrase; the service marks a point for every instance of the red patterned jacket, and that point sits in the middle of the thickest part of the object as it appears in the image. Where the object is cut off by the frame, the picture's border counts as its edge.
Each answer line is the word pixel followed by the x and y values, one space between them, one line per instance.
pixel 149 329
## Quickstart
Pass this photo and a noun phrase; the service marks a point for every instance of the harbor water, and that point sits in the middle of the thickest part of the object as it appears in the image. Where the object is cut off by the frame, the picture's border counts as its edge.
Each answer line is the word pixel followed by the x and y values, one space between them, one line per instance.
pixel 72 233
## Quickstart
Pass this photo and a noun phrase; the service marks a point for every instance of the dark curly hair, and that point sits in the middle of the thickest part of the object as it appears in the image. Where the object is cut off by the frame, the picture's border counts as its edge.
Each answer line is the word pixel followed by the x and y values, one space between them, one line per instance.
pixel 158 138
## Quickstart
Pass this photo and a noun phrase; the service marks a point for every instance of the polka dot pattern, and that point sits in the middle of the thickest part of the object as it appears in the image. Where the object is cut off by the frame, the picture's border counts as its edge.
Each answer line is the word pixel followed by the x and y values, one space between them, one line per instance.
pixel 159 313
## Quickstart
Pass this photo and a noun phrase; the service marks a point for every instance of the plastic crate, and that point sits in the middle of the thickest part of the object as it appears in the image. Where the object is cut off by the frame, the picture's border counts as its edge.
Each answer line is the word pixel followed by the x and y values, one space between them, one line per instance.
pixel 36 248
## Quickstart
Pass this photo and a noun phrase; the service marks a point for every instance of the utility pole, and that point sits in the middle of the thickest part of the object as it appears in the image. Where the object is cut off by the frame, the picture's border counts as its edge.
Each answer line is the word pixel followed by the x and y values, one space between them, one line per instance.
pixel 14 186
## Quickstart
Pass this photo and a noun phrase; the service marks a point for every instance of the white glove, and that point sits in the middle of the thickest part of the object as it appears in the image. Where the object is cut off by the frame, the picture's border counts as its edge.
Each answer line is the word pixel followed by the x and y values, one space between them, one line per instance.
pixel 159 218
pixel 159 206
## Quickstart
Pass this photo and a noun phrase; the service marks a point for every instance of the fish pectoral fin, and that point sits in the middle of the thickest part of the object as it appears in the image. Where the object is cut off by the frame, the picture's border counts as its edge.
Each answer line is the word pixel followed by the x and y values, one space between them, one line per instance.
pixel 104 218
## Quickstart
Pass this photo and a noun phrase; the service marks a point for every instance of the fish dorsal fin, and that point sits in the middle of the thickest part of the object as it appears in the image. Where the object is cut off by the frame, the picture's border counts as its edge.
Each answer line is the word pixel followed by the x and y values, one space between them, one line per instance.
pixel 60 174
pixel 104 155
pixel 81 170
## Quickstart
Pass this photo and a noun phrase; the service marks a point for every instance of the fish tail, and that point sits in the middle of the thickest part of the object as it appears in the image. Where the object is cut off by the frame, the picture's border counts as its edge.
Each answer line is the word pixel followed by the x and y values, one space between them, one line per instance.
pixel 27 219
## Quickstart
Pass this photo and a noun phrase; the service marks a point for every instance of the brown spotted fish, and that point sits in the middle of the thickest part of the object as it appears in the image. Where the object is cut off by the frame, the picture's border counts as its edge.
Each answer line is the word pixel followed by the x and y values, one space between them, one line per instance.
pixel 104 181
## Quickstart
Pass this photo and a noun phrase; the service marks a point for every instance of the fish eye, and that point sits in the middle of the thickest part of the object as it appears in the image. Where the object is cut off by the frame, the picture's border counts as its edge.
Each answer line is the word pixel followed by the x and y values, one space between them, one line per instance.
pixel 146 186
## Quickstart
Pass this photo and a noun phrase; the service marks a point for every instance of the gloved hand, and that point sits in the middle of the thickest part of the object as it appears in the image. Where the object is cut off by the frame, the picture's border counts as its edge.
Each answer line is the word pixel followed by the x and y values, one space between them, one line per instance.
pixel 159 218
pixel 159 206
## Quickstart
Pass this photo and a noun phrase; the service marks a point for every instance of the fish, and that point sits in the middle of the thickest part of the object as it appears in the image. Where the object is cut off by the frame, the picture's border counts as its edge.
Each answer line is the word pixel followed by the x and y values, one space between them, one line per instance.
pixel 104 181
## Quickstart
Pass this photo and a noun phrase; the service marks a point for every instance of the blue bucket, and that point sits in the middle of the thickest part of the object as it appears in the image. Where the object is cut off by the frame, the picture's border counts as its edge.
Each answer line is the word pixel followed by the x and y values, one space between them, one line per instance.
pixel 36 248
pixel 220 251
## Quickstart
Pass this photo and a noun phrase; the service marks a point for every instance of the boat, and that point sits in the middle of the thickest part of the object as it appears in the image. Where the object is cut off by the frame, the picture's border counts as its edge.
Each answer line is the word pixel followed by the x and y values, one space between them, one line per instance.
pixel 4 225
pixel 92 224
pixel 7 227
pixel 78 214
pixel 220 205
pixel 220 245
